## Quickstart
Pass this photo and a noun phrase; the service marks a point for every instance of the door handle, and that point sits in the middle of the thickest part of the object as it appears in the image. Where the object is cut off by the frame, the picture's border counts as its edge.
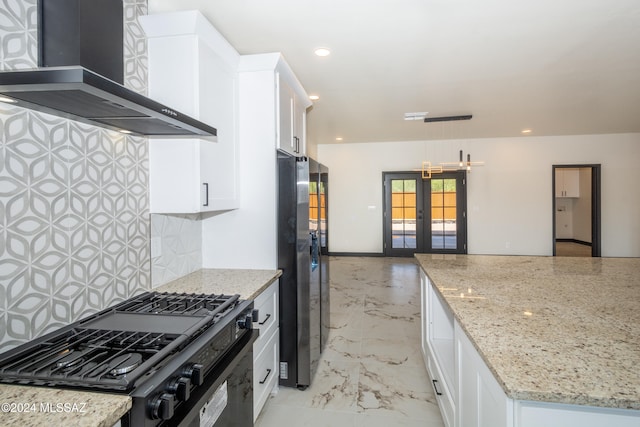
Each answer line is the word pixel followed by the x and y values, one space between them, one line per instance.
pixel 206 193
pixel 264 380
pixel 435 387
pixel 265 319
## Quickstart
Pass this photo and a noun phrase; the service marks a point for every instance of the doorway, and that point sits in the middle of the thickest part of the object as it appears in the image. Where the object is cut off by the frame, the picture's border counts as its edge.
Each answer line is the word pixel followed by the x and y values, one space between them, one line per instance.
pixel 576 210
pixel 424 215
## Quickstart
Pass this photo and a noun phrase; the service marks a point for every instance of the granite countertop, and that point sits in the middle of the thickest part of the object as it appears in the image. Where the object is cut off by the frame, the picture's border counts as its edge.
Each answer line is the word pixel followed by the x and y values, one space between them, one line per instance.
pixel 553 329
pixel 247 283
pixel 37 406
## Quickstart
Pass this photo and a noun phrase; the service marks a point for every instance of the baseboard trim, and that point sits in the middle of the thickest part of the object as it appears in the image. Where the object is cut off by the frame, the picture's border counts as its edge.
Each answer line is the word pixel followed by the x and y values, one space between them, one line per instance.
pixel 357 254
pixel 580 242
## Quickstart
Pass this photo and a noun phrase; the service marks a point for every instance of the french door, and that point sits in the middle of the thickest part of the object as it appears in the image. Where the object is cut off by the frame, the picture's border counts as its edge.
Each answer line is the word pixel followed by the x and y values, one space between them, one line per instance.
pixel 424 215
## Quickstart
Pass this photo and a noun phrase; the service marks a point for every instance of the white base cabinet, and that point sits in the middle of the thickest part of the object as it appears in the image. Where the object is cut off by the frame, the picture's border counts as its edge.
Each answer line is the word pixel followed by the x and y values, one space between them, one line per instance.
pixel 481 400
pixel 535 414
pixel 470 396
pixel 266 347
pixel 438 349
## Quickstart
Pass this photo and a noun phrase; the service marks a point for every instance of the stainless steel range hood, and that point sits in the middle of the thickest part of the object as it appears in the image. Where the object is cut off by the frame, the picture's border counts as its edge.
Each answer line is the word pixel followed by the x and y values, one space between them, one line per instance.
pixel 79 94
pixel 80 54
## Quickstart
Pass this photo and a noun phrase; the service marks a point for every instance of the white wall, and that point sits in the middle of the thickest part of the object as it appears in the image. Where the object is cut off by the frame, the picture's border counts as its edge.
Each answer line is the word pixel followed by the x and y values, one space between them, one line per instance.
pixel 509 198
pixel 246 237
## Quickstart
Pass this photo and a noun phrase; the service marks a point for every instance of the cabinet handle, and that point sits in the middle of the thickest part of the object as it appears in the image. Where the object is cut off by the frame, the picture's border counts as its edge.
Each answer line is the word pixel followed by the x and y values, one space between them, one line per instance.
pixel 435 387
pixel 297 149
pixel 265 319
pixel 264 380
pixel 206 193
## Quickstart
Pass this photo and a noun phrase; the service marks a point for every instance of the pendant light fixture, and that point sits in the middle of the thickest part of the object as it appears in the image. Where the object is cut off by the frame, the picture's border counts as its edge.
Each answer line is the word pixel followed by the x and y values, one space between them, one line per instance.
pixel 427 167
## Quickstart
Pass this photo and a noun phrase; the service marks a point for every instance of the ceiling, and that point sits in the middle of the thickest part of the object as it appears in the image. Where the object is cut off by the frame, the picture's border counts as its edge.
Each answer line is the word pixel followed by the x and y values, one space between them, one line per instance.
pixel 557 67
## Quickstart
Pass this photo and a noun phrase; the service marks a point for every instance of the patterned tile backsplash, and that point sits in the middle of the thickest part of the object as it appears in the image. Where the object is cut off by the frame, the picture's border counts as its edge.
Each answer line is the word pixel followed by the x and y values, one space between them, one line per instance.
pixel 179 251
pixel 74 208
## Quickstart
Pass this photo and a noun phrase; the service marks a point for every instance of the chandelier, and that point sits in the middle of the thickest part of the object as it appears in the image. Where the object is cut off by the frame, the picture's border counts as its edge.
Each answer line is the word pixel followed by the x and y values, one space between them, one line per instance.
pixel 428 169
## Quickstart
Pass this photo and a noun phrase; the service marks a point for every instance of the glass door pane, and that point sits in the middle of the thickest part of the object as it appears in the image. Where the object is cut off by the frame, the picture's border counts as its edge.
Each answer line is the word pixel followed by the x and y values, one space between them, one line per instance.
pixel 444 210
pixel 403 212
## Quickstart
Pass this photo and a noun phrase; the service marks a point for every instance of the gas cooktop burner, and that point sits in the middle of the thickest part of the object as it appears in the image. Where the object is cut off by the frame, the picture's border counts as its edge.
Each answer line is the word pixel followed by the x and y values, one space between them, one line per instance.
pixel 70 359
pixel 125 363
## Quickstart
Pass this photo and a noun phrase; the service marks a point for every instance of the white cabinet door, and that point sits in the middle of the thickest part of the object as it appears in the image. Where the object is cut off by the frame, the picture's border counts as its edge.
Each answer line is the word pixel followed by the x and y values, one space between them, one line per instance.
pixel 571 181
pixel 291 119
pixel 438 349
pixel 193 71
pixel 266 348
pixel 182 177
pixel 285 116
pixel 481 401
pixel 170 192
pixel 567 182
pixel 300 126
pixel 423 313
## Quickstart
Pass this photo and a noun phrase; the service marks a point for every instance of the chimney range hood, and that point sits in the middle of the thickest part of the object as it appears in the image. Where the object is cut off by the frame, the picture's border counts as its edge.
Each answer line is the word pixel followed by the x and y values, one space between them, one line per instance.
pixel 81 72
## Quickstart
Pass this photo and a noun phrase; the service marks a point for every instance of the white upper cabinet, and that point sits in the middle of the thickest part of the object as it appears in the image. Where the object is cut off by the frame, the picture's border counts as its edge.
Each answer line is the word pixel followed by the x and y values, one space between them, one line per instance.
pixel 567 182
pixel 269 72
pixel 292 113
pixel 193 69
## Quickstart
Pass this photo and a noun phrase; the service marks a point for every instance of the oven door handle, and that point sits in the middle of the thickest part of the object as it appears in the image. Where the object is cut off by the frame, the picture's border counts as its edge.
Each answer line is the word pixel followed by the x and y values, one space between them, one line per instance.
pixel 264 380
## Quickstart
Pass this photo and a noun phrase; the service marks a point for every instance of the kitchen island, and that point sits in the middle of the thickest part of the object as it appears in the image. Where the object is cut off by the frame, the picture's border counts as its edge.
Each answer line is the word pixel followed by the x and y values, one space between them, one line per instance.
pixel 25 406
pixel 550 330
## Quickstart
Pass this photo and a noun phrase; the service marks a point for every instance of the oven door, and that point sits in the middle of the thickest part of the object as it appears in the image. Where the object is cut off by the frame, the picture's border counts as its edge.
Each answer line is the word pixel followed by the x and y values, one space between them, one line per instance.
pixel 226 396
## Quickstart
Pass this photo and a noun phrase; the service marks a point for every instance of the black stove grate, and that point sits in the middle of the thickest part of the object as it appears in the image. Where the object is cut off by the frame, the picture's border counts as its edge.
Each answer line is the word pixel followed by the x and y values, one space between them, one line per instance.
pixel 117 347
pixel 175 303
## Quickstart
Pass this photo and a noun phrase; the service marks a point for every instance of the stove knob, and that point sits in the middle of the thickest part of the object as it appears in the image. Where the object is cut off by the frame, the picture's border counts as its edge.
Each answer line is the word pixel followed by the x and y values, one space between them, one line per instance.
pixel 181 387
pixel 162 406
pixel 246 323
pixel 196 373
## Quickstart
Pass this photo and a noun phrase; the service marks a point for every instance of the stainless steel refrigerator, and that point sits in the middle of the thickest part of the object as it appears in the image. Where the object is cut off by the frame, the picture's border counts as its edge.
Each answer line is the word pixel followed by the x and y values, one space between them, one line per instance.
pixel 303 259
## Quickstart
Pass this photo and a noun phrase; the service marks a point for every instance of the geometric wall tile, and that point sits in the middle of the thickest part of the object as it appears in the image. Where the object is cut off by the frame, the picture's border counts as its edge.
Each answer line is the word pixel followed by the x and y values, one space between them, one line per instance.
pixel 181 246
pixel 74 211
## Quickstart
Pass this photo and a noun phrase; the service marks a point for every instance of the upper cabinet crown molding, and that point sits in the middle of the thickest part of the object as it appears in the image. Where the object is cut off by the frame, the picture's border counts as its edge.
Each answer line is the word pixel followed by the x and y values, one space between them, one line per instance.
pixel 275 62
pixel 291 101
pixel 190 23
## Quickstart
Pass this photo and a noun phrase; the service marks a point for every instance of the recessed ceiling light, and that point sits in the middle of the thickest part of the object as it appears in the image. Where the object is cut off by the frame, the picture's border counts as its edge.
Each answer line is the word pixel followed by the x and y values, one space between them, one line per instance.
pixel 339 138
pixel 526 131
pixel 322 51
pixel 415 116
pixel 126 132
pixel 314 97
pixel 8 100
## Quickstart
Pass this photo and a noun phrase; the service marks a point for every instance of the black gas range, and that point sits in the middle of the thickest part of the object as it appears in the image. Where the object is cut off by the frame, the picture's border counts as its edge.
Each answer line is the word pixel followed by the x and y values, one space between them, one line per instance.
pixel 185 359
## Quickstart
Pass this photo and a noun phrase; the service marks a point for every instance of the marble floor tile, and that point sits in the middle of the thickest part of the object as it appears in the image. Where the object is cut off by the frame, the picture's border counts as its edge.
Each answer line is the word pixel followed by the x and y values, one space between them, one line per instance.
pixel 395 390
pixel 397 351
pixel 371 372
pixel 276 415
pixel 334 387
pixel 346 324
pixel 364 420
pixel 343 347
